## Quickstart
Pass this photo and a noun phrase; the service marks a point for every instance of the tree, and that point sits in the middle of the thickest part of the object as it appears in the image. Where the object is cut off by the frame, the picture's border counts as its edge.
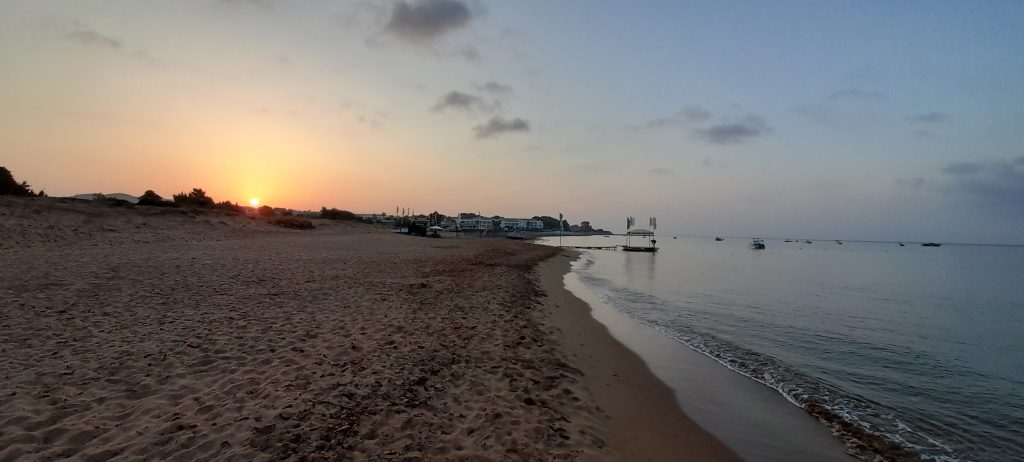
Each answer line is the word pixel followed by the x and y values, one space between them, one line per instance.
pixel 197 198
pixel 265 211
pixel 151 198
pixel 335 214
pixel 10 187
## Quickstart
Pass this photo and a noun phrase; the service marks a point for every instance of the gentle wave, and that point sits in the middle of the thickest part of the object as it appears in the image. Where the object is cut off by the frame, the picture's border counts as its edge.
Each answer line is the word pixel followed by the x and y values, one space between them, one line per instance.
pixel 869 430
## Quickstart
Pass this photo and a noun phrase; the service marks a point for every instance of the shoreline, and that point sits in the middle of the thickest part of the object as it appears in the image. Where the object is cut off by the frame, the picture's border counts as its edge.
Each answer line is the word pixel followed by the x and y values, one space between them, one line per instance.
pixel 753 420
pixel 650 424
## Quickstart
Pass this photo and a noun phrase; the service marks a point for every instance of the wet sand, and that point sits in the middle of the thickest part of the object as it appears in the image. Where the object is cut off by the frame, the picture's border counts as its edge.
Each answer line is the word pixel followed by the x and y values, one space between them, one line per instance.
pixel 751 418
pixel 145 334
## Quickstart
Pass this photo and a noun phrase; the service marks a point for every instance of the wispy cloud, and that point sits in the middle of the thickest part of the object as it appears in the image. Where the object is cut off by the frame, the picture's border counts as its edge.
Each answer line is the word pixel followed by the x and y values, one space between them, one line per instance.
pixel 734 132
pixel 458 100
pixel 855 95
pixel 499 125
pixel 686 116
pixel 995 184
pixel 427 19
pixel 82 34
pixel 494 88
pixel 929 118
pixel 962 168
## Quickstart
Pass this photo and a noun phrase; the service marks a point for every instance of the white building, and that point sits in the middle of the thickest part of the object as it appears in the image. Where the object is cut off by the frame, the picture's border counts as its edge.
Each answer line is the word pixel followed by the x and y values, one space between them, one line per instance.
pixel 512 224
pixel 475 223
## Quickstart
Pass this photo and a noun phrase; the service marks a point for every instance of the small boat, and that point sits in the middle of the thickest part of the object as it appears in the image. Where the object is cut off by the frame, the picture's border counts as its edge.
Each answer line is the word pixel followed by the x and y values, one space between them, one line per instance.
pixel 900 243
pixel 719 239
pixel 757 243
pixel 516 235
pixel 632 248
pixel 673 237
pixel 839 242
pixel 930 244
pixel 642 233
pixel 808 242
pixel 790 240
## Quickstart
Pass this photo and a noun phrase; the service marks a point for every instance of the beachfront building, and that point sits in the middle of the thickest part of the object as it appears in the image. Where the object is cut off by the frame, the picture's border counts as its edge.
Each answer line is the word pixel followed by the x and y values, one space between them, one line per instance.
pixel 521 224
pixel 477 223
pixel 376 217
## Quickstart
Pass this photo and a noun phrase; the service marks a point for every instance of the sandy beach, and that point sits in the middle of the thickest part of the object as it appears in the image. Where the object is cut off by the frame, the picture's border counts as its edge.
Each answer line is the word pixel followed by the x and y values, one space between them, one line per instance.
pixel 150 334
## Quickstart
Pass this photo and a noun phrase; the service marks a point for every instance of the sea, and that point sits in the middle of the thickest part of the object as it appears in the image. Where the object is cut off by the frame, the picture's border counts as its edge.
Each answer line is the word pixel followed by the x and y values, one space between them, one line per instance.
pixel 901 352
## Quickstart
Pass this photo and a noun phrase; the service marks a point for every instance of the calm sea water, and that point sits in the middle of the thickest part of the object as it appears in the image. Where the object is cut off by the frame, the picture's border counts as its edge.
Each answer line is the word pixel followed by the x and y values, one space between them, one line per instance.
pixel 903 351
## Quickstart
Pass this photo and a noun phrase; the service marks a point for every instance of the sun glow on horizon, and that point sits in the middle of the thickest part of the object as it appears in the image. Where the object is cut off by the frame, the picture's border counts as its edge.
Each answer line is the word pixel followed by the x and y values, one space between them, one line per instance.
pixel 255 202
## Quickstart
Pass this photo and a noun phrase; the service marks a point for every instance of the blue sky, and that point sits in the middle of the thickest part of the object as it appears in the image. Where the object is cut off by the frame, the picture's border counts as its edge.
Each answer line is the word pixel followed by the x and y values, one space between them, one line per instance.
pixel 851 120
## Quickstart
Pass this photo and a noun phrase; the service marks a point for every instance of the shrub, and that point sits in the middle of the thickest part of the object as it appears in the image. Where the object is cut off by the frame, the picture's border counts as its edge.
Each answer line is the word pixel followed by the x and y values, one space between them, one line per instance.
pixel 230 207
pixel 151 198
pixel 10 187
pixel 196 198
pixel 265 211
pixel 335 214
pixel 292 222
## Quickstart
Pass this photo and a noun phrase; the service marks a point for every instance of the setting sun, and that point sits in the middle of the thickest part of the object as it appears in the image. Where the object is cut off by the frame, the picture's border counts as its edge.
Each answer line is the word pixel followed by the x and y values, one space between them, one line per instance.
pixel 254 202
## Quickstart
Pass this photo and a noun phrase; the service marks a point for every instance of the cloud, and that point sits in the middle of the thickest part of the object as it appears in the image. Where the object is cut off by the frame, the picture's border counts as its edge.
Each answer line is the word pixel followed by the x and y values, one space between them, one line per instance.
pixel 427 19
pixel 929 118
pixel 996 185
pixel 260 3
pixel 913 183
pixel 686 116
pixel 471 54
pixel 736 132
pixel 499 125
pixel 465 102
pixel 855 94
pixel 82 34
pixel 495 88
pixel 962 168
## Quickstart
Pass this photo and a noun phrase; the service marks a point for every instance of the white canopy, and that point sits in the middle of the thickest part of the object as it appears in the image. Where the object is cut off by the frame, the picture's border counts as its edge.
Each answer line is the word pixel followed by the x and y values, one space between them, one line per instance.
pixel 435 228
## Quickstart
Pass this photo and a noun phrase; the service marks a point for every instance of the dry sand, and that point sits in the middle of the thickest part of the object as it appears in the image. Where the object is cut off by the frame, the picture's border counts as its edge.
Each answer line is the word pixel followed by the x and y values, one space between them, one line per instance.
pixel 151 334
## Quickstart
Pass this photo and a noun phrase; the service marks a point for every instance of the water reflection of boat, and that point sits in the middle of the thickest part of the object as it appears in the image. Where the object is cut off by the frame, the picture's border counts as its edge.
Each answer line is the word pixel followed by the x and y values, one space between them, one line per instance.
pixel 757 243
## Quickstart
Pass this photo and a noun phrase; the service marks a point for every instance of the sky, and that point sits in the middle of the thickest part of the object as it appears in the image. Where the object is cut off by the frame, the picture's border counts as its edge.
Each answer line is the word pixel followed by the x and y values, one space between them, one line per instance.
pixel 874 120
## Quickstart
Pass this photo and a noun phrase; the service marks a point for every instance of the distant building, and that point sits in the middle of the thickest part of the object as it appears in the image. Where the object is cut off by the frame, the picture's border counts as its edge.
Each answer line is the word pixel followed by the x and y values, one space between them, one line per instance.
pixel 475 223
pixel 514 224
pixel 115 196
pixel 376 217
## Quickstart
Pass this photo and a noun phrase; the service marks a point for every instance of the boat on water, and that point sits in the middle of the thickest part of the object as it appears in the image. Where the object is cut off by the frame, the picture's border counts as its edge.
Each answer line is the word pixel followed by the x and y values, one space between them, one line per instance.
pixel 719 239
pixel 839 242
pixel 757 243
pixel 631 248
pixel 900 243
pixel 808 242
pixel 516 235
pixel 930 244
pixel 640 233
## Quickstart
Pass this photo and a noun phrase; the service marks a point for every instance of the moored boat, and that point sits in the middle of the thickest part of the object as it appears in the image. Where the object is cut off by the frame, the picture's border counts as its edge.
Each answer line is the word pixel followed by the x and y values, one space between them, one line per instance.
pixel 757 243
